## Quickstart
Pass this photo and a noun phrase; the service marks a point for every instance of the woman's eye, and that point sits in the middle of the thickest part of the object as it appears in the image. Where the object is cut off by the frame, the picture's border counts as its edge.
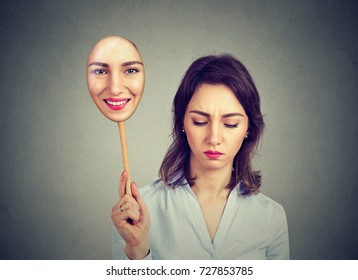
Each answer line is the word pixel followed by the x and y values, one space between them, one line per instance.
pixel 131 71
pixel 232 125
pixel 99 71
pixel 199 123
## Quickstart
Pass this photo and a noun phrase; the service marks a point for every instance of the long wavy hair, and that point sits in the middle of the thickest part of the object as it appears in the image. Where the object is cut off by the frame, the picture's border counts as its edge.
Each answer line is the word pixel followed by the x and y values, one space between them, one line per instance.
pixel 214 70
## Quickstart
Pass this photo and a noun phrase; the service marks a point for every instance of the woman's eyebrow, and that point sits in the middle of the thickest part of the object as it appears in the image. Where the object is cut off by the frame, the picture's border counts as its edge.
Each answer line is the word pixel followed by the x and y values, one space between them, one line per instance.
pixel 233 115
pixel 229 115
pixel 200 113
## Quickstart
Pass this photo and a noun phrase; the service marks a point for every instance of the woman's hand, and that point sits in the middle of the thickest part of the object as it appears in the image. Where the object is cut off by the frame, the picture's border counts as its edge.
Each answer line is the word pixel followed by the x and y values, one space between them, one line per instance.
pixel 131 218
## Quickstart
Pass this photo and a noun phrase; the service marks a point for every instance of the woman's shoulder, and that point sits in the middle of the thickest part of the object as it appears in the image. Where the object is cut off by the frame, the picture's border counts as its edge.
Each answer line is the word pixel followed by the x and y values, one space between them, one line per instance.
pixel 264 199
pixel 265 203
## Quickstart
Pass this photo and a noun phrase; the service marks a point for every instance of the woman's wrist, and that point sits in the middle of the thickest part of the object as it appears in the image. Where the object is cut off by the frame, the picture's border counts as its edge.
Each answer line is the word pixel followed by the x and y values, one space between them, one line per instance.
pixel 137 252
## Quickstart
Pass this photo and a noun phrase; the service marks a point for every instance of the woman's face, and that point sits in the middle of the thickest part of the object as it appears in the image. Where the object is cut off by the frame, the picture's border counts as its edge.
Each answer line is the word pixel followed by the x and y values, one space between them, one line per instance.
pixel 215 124
pixel 115 77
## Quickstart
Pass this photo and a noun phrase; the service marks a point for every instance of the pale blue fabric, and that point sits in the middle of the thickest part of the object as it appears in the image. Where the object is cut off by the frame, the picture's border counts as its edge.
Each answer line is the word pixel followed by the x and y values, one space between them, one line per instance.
pixel 252 227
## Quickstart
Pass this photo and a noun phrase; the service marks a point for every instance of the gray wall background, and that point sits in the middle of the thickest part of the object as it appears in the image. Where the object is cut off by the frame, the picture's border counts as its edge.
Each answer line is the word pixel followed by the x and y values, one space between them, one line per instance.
pixel 61 159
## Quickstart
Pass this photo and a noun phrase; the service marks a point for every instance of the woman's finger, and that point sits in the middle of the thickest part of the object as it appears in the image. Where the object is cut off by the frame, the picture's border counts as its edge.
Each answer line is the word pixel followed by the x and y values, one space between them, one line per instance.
pixel 127 204
pixel 122 184
pixel 144 216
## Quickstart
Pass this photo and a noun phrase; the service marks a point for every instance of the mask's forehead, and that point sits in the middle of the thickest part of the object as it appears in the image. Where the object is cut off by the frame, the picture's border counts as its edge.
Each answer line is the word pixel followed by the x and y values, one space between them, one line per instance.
pixel 114 49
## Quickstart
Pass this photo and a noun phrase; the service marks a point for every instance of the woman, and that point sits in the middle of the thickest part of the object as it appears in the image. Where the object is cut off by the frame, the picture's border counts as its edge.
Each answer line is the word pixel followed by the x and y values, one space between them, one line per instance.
pixel 207 203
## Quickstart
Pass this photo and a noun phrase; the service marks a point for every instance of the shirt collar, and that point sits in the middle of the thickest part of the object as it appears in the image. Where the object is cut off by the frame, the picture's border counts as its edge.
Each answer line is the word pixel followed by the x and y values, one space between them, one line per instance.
pixel 239 188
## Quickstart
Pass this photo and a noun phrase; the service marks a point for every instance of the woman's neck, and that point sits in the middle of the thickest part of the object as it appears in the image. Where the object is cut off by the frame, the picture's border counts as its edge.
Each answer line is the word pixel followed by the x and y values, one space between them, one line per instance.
pixel 212 184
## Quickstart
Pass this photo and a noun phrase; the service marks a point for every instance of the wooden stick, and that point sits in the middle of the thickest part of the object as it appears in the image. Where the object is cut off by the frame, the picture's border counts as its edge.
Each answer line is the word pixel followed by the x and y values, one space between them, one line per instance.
pixel 122 134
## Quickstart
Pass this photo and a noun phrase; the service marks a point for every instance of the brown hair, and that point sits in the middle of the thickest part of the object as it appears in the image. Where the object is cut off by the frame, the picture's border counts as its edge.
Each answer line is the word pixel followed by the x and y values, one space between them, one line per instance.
pixel 215 69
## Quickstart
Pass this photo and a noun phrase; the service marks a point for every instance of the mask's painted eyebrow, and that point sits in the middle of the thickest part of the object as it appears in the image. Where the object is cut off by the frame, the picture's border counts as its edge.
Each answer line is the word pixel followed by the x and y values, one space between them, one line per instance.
pixel 128 63
pixel 99 64
pixel 223 116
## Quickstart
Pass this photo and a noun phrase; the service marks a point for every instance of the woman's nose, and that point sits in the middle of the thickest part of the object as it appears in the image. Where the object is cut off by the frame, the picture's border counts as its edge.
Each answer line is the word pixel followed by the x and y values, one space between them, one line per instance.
pixel 214 137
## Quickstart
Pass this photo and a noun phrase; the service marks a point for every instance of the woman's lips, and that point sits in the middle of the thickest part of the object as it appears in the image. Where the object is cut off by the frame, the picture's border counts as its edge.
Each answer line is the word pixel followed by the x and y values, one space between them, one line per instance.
pixel 213 154
pixel 116 104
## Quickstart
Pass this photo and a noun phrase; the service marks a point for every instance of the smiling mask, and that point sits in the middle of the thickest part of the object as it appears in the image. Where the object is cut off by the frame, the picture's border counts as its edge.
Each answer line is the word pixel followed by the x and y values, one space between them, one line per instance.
pixel 115 81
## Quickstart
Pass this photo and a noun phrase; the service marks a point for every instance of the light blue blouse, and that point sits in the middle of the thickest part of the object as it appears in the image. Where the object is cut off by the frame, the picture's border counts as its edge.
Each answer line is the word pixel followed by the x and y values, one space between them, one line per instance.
pixel 251 227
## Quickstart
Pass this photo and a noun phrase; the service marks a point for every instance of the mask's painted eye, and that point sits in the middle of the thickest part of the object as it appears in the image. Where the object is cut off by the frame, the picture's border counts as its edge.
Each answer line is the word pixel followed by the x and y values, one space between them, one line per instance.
pixel 99 71
pixel 131 71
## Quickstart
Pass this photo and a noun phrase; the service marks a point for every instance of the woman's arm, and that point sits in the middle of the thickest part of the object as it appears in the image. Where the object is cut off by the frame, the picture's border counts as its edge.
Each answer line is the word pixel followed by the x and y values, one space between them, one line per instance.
pixel 131 219
pixel 279 247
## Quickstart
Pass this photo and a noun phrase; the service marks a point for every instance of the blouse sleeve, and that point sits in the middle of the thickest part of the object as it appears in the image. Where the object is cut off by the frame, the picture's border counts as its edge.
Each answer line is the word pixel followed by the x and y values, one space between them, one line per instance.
pixel 118 245
pixel 279 247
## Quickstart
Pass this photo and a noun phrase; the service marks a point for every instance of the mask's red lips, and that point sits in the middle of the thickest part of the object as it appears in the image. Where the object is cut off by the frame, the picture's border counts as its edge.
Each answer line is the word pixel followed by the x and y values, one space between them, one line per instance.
pixel 116 104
